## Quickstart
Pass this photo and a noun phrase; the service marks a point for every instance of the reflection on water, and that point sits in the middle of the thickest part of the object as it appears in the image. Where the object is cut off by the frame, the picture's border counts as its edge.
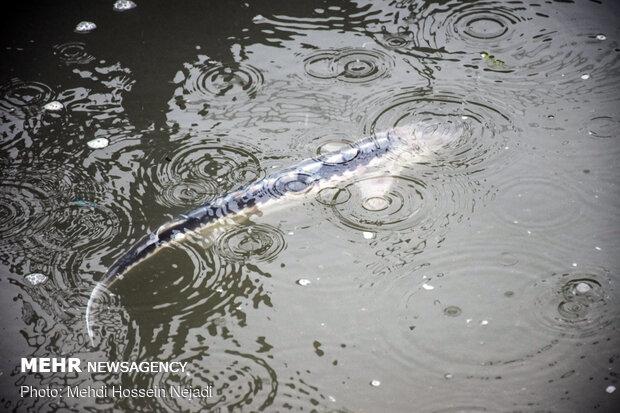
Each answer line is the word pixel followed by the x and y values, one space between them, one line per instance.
pixel 479 277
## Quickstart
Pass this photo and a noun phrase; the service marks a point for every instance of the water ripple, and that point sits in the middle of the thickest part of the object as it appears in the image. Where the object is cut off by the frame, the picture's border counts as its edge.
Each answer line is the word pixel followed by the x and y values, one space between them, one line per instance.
pixel 574 304
pixel 19 98
pixel 206 79
pixel 238 380
pixel 255 242
pixel 603 127
pixel 331 18
pixel 486 135
pixel 404 205
pixel 484 23
pixel 195 173
pixel 353 65
pixel 19 204
pixel 73 53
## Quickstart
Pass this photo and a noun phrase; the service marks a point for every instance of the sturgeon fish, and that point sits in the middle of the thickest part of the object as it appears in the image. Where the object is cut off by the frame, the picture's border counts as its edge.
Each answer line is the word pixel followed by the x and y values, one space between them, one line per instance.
pixel 385 149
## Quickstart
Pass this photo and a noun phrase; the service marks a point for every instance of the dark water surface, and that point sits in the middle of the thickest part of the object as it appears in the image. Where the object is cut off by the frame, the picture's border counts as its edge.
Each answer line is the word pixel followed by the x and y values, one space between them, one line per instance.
pixel 485 280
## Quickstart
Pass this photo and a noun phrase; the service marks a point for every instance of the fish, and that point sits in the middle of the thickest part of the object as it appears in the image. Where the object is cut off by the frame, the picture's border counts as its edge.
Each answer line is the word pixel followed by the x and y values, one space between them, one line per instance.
pixel 388 150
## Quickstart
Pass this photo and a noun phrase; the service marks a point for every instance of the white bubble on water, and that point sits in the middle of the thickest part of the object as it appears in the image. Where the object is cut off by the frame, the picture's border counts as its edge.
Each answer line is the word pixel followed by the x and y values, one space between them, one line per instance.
pixel 36 278
pixel 124 5
pixel 85 27
pixel 583 288
pixel 54 106
pixel 98 143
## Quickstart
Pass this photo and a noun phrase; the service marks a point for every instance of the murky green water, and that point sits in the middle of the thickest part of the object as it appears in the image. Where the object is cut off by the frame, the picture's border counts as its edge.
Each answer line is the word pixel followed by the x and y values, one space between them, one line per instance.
pixel 484 280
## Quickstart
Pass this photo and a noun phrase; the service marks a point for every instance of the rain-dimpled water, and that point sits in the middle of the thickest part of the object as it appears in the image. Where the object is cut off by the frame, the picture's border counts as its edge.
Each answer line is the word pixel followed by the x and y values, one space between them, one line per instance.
pixel 475 268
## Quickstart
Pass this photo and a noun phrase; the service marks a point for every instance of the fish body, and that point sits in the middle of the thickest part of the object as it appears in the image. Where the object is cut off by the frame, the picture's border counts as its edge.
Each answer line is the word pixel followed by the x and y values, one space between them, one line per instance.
pixel 301 178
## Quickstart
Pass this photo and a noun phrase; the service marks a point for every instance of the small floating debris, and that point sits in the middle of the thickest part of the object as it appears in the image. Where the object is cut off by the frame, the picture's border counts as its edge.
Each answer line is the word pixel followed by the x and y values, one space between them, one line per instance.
pixel 54 106
pixel 484 322
pixel 601 36
pixel 610 389
pixel 124 5
pixel 303 282
pixel 36 278
pixel 492 61
pixel 368 235
pixel 583 288
pixel 98 143
pixel 585 76
pixel 375 383
pixel 85 27
pixel 83 203
pixel 428 287
pixel 447 376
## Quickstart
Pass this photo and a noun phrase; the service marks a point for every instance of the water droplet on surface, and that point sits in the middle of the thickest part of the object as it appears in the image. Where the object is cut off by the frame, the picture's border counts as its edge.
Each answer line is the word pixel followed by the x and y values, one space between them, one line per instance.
pixel 375 383
pixel 124 5
pixel 375 203
pixel 54 106
pixel 85 27
pixel 36 278
pixel 303 282
pixel 452 311
pixel 98 143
